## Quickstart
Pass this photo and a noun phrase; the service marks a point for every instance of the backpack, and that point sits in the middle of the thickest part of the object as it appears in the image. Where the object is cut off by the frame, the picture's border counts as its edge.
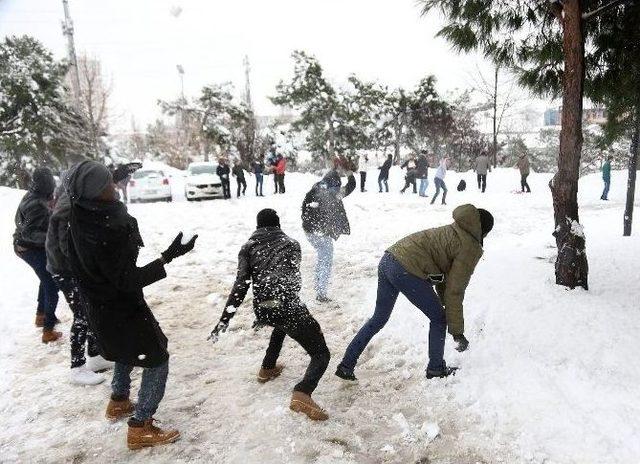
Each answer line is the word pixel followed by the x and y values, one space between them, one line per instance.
pixel 462 186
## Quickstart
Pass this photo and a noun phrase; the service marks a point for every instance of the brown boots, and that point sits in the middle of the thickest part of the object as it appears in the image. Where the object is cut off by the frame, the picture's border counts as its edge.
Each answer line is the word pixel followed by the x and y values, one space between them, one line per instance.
pixel 301 402
pixel 264 375
pixel 145 434
pixel 40 320
pixel 117 410
pixel 50 335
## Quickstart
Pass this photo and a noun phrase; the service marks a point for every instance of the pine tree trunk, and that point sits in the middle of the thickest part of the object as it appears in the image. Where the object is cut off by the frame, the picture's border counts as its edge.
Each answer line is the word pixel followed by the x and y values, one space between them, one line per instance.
pixel 571 265
pixel 633 168
pixel 495 118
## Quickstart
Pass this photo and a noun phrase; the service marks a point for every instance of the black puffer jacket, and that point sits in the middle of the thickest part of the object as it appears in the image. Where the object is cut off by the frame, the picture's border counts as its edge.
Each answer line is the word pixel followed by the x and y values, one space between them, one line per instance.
pixel 422 167
pixel 323 211
pixel 57 244
pixel 223 171
pixel 32 216
pixel 271 260
pixel 238 171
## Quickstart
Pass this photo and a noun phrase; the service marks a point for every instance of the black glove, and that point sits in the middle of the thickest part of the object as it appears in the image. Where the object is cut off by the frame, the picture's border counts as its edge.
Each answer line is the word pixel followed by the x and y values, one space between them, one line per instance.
pixel 177 249
pixel 462 342
pixel 125 170
pixel 221 327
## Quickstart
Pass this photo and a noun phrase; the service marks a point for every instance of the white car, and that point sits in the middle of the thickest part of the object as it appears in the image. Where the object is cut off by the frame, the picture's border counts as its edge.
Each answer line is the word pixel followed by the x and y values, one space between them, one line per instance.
pixel 149 185
pixel 202 182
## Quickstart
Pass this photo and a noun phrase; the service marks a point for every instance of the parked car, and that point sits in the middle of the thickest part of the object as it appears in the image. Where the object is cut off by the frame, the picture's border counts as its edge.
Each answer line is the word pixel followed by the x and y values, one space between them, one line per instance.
pixel 202 182
pixel 149 185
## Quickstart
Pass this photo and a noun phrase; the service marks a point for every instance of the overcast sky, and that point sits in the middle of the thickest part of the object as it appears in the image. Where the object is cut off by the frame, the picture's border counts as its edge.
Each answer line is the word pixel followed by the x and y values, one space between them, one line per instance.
pixel 140 42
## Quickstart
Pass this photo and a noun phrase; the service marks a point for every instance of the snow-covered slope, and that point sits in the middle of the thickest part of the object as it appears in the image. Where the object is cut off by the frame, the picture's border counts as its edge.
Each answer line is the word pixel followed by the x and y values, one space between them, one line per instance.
pixel 551 375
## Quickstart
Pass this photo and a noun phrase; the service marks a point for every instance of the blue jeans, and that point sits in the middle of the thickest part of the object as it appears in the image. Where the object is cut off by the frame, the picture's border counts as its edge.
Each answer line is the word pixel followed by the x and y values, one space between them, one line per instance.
pixel 48 290
pixel 424 183
pixel 605 193
pixel 324 247
pixel 394 279
pixel 259 181
pixel 154 381
pixel 385 181
pixel 440 185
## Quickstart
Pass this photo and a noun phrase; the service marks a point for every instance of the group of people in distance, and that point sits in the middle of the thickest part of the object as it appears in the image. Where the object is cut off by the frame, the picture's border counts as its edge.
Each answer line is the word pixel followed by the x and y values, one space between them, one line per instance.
pixel 87 245
pixel 276 164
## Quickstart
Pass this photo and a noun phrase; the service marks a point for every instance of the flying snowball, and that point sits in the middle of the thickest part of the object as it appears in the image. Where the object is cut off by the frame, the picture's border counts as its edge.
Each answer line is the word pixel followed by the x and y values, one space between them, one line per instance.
pixel 175 11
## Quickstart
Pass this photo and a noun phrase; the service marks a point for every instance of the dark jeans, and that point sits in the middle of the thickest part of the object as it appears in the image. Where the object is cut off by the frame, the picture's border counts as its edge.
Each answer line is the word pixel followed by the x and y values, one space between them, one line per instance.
pixel 259 181
pixel 393 279
pixel 299 324
pixel 409 182
pixel 363 180
pixel 384 180
pixel 226 188
pixel 80 333
pixel 280 182
pixel 523 183
pixel 440 185
pixel 48 290
pixel 154 381
pixel 605 193
pixel 242 185
pixel 482 182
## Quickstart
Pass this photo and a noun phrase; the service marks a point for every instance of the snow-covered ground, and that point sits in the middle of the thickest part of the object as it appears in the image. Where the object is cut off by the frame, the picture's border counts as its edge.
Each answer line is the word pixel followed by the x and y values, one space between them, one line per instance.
pixel 551 375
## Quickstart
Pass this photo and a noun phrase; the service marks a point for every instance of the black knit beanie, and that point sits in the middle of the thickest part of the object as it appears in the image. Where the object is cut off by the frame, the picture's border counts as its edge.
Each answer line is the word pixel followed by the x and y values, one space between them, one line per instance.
pixel 486 221
pixel 268 218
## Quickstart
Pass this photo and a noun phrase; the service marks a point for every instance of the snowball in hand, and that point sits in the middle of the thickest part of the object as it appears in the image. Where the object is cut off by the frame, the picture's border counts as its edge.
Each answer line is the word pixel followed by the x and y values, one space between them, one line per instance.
pixel 187 236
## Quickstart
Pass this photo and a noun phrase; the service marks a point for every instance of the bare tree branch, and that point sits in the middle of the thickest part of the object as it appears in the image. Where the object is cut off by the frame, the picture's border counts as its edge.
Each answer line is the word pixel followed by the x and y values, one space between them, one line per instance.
pixel 590 14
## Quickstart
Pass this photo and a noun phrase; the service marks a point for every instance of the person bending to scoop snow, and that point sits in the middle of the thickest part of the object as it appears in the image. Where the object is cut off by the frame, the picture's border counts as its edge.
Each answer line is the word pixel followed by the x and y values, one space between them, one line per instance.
pixel 271 260
pixel 324 219
pixel 104 247
pixel 444 257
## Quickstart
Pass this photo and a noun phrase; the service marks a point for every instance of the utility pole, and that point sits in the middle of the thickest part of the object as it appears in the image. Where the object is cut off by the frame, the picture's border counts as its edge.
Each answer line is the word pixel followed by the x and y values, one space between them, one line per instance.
pixel 247 85
pixel 67 30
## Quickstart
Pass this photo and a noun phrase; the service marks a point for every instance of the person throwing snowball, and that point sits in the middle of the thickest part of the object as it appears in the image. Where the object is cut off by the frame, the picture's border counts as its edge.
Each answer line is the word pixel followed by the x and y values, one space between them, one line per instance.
pixel 271 261
pixel 444 257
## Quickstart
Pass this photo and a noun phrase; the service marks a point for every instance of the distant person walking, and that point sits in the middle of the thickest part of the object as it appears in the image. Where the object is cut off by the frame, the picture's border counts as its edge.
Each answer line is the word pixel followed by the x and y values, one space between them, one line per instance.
pixel 422 173
pixel 606 177
pixel 280 169
pixel 223 172
pixel 410 177
pixel 483 165
pixel 258 171
pixel 525 168
pixel 238 173
pixel 439 181
pixel 364 165
pixel 383 178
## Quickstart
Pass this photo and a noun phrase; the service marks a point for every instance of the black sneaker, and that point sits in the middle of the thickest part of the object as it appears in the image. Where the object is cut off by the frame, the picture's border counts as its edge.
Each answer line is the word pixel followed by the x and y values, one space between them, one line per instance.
pixel 323 299
pixel 442 373
pixel 345 374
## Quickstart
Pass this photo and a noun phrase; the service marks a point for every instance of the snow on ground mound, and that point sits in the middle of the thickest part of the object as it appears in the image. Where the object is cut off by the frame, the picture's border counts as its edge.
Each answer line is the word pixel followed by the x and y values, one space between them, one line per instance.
pixel 551 375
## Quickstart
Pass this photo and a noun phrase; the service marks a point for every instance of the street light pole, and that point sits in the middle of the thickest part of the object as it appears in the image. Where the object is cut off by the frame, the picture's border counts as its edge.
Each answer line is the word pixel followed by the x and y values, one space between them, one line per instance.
pixel 67 30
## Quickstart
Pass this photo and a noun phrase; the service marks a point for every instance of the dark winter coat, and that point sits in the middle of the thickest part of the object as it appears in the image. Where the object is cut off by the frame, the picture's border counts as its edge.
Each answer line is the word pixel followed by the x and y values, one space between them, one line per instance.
pixel 422 168
pixel 258 167
pixel 223 172
pixel 32 216
pixel 57 244
pixel 271 261
pixel 323 211
pixel 238 172
pixel 103 251
pixel 384 169
pixel 606 171
pixel 451 252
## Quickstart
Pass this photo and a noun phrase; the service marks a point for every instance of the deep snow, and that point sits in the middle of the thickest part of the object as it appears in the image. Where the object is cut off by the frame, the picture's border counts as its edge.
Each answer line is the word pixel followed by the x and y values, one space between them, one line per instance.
pixel 551 375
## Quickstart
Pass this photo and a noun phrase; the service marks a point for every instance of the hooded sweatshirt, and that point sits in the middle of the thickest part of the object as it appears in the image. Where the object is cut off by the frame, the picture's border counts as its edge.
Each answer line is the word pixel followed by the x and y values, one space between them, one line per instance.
pixel 32 216
pixel 451 251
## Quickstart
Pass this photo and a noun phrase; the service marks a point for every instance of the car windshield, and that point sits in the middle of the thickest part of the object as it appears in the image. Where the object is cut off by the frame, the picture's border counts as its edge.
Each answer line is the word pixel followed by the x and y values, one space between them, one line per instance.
pixel 202 169
pixel 142 174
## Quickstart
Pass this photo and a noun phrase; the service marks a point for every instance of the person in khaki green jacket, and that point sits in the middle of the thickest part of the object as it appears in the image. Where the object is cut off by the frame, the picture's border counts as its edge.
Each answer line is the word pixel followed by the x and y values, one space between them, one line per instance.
pixel 524 167
pixel 444 257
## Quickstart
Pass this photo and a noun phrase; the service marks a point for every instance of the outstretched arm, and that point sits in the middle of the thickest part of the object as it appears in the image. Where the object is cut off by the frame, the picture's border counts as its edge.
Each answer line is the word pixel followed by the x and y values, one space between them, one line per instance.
pixel 240 286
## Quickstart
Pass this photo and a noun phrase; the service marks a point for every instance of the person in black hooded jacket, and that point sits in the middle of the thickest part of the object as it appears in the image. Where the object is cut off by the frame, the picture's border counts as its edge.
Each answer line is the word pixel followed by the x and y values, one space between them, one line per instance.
pixel 271 260
pixel 223 172
pixel 32 223
pixel 324 219
pixel 383 178
pixel 103 251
